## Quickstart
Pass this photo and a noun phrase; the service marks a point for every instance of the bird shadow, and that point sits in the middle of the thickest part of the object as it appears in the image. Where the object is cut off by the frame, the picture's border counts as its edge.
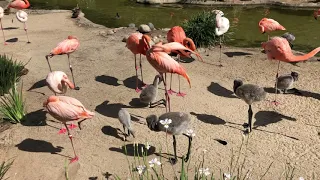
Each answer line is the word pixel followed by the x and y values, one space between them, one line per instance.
pixel 110 131
pixel 32 145
pixel 135 102
pixel 130 82
pixel 38 84
pixel 137 150
pixel 10 28
pixel 263 118
pixel 219 90
pixel 109 80
pixel 93 178
pixel 237 53
pixel 35 118
pixel 12 40
pixel 110 110
pixel 298 92
pixel 210 119
pixel 186 59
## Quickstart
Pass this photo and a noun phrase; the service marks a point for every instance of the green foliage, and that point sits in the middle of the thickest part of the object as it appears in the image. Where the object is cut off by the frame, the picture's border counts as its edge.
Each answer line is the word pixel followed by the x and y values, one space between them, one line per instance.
pixel 12 106
pixel 200 28
pixel 10 72
pixel 4 167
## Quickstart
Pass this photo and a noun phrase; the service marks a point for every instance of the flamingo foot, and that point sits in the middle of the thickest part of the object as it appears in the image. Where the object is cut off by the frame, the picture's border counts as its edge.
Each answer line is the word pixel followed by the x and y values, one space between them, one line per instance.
pixel 275 103
pixel 138 90
pixel 72 126
pixel 62 131
pixel 75 159
pixel 137 67
pixel 181 94
pixel 170 91
pixel 5 43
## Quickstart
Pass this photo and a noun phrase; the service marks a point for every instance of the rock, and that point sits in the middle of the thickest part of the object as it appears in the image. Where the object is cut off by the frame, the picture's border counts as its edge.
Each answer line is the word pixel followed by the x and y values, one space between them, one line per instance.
pixel 110 32
pixel 131 25
pixel 151 26
pixel 143 28
pixel 166 29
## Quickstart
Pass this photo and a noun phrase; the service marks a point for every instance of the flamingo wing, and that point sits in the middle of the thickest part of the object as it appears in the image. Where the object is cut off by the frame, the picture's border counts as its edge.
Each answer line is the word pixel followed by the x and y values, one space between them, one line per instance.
pixel 133 42
pixel 65 47
pixel 76 104
pixel 176 34
pixel 177 47
pixel 272 25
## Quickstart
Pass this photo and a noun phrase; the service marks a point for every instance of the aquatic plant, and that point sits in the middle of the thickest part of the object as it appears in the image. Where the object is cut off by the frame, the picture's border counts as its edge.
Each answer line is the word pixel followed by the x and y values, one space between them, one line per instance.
pixel 10 72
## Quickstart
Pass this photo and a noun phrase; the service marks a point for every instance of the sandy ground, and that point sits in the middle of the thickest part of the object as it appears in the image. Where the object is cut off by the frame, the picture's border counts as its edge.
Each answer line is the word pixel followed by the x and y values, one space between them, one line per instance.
pixel 104 70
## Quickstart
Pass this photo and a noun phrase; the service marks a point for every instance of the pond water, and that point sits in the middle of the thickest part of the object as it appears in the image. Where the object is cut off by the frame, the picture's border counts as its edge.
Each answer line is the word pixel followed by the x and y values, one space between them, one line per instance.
pixel 245 29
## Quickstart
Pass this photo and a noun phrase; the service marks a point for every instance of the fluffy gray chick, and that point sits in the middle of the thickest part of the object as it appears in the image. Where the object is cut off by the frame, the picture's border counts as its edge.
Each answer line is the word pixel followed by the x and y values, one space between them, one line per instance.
pixel 125 120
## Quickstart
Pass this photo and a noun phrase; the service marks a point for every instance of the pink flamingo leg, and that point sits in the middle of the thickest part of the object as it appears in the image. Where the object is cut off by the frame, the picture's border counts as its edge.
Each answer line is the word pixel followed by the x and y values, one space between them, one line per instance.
pixel 275 102
pixel 5 43
pixel 72 126
pixel 170 91
pixel 26 29
pixel 137 80
pixel 70 137
pixel 143 84
pixel 181 94
pixel 166 93
pixel 71 70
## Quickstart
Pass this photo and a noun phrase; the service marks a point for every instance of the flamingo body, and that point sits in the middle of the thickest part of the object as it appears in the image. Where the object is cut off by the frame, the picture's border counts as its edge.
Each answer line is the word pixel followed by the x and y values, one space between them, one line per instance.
pixel 67 46
pixel 19 4
pixel 316 14
pixel 222 23
pixel 22 16
pixel 58 82
pixel 268 25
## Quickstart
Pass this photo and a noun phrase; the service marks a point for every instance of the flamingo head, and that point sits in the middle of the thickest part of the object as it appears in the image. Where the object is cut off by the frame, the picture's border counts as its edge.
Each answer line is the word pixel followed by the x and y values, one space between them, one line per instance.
pixel 237 83
pixel 22 16
pixel 72 37
pixel 152 122
pixel 66 81
pixel 50 99
pixel 146 40
pixel 187 42
pixel 261 28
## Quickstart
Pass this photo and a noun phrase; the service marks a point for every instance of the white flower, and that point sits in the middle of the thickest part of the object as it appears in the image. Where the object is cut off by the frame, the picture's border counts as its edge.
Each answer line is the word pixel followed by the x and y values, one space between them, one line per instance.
pixel 190 133
pixel 148 146
pixel 204 171
pixel 153 162
pixel 166 122
pixel 141 169
pixel 301 178
pixel 226 176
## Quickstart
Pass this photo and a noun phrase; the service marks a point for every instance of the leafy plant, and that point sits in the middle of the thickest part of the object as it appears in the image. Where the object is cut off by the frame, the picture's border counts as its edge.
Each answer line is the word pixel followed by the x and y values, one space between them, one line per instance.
pixel 12 106
pixel 4 167
pixel 10 72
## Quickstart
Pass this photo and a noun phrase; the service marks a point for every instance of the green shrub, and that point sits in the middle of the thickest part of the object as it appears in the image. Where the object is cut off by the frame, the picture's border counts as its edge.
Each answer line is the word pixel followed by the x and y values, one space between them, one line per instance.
pixel 10 72
pixel 12 106
pixel 4 167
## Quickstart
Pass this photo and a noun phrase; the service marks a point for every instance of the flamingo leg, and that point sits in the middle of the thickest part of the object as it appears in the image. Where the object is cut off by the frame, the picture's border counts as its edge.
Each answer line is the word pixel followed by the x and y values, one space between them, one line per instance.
pixel 180 93
pixel 4 39
pixel 136 67
pixel 276 87
pixel 220 44
pixel 76 87
pixel 26 29
pixel 170 91
pixel 48 63
pixel 166 93
pixel 175 159
pixel 250 113
pixel 70 137
pixel 189 148
pixel 143 84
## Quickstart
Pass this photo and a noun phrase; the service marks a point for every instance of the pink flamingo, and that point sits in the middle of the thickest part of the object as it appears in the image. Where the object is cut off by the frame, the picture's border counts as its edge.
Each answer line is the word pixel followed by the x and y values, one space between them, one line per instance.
pixel 58 82
pixel 177 34
pixel 137 45
pixel 278 48
pixel 1 16
pixel 64 109
pixel 158 57
pixel 67 46
pixel 19 5
pixel 267 25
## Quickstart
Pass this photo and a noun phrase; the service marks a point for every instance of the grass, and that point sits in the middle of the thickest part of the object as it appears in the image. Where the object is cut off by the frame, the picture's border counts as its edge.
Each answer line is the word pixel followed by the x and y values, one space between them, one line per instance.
pixel 4 167
pixel 10 72
pixel 12 106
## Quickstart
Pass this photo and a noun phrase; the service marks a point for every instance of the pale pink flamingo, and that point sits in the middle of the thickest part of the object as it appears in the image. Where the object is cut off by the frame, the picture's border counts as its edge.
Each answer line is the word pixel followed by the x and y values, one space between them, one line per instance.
pixel 65 109
pixel 138 46
pixel 58 82
pixel 1 16
pixel 19 5
pixel 278 48
pixel 267 25
pixel 177 34
pixel 23 17
pixel 67 46
pixel 158 57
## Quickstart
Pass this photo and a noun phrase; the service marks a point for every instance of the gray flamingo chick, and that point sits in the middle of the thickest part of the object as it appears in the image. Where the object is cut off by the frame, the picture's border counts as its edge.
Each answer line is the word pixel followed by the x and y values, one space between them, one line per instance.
pixel 125 120
pixel 284 82
pixel 149 94
pixel 179 125
pixel 290 38
pixel 250 94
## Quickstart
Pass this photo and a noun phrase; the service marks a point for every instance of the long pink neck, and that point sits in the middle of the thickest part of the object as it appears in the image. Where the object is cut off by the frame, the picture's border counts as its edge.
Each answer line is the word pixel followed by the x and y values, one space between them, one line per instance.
pixel 27 3
pixel 305 57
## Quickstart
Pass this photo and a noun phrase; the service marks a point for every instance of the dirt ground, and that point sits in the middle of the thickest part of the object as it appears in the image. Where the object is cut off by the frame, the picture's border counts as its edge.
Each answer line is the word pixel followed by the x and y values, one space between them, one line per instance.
pixel 104 70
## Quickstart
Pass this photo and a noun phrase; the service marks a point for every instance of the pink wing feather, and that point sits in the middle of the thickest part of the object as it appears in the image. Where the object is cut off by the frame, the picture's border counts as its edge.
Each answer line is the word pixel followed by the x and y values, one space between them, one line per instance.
pixel 65 47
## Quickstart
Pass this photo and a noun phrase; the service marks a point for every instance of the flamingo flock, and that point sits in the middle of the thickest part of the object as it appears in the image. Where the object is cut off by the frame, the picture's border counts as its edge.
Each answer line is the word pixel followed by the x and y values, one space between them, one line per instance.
pixel 160 56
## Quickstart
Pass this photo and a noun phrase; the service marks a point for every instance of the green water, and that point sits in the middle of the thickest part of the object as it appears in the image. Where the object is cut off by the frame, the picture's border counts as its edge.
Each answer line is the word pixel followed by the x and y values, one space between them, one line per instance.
pixel 246 33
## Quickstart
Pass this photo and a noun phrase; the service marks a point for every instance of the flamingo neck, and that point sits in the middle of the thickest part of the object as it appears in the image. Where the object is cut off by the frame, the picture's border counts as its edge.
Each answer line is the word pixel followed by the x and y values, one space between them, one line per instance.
pixel 187 42
pixel 27 4
pixel 293 58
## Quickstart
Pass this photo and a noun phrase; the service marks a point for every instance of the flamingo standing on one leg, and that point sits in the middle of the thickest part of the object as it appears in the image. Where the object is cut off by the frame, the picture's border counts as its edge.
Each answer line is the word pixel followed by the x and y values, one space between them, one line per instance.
pixel 158 57
pixel 267 25
pixel 138 46
pixel 316 14
pixel 58 82
pixel 1 16
pixel 64 109
pixel 67 46
pixel 18 4
pixel 278 48
pixel 177 34
pixel 222 26
pixel 23 17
